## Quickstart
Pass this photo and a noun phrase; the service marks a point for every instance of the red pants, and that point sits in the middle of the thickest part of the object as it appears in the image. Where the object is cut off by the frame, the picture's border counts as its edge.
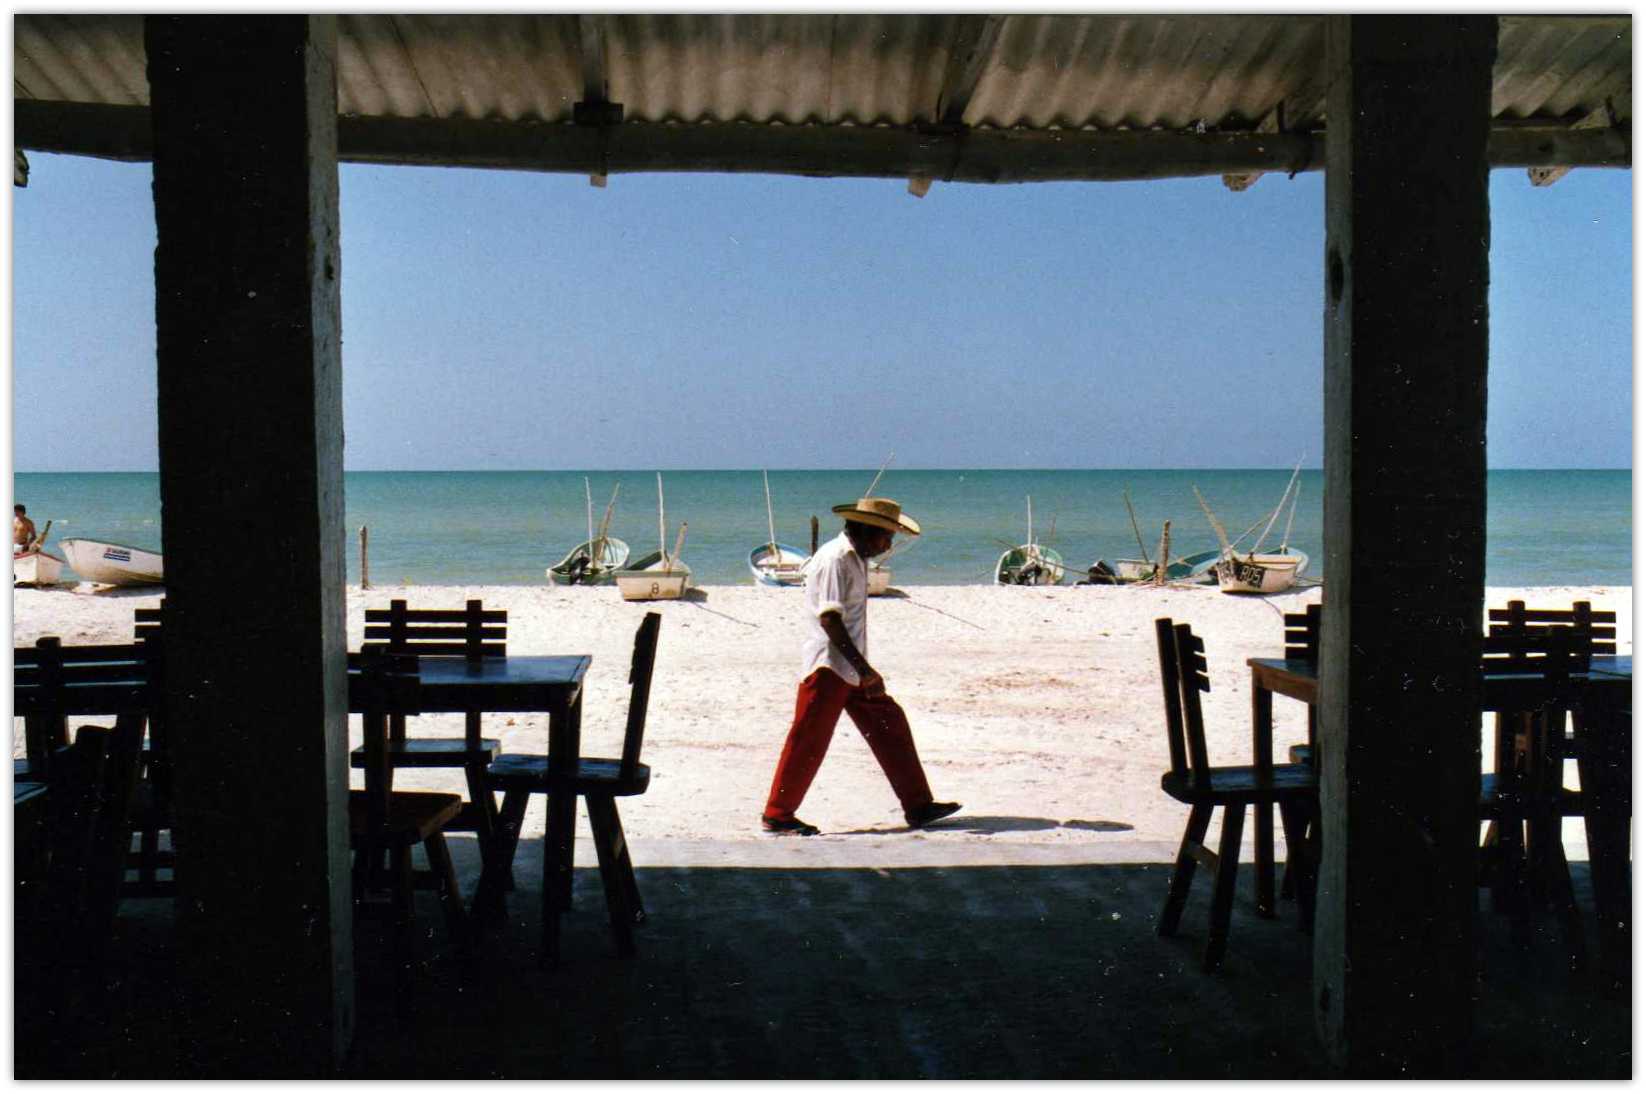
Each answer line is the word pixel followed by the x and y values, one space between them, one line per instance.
pixel 817 706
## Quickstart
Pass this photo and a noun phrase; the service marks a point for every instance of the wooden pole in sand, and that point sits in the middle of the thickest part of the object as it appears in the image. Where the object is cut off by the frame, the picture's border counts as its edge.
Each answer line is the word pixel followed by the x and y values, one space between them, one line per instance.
pixel 1165 553
pixel 814 534
pixel 365 581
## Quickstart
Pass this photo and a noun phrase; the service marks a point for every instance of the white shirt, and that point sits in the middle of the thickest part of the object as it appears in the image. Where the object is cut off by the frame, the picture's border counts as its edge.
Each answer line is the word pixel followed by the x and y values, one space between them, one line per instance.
pixel 837 580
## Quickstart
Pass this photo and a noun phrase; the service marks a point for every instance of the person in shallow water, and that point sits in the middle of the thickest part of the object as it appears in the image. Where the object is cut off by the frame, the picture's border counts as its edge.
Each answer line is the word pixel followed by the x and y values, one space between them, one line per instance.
pixel 836 676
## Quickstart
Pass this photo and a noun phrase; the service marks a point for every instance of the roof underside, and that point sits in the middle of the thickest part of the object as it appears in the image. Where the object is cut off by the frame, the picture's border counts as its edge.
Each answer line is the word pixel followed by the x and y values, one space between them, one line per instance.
pixel 1038 96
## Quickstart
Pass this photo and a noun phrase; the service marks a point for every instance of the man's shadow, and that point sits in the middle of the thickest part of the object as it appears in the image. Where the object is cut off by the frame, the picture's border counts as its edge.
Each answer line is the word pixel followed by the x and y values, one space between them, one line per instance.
pixel 994 825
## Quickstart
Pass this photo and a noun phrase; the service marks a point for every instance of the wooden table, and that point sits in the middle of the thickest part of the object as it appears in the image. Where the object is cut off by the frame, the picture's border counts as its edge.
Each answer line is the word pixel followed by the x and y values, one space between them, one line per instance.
pixel 1603 690
pixel 547 684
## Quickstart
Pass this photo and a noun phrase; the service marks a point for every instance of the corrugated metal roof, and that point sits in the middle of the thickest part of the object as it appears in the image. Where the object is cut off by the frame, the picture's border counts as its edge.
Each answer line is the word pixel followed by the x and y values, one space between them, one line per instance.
pixel 1040 71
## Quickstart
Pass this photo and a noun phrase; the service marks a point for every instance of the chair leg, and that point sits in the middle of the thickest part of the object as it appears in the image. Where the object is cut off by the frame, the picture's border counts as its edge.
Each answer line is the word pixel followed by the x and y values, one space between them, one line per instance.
pixel 486 815
pixel 557 870
pixel 608 837
pixel 1292 823
pixel 451 895
pixel 498 855
pixel 1177 895
pixel 1228 862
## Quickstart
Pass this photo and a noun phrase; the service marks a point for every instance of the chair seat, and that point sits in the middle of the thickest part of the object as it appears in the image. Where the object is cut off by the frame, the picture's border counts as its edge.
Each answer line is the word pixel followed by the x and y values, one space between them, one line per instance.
pixel 1241 784
pixel 434 752
pixel 518 772
pixel 1493 799
pixel 414 815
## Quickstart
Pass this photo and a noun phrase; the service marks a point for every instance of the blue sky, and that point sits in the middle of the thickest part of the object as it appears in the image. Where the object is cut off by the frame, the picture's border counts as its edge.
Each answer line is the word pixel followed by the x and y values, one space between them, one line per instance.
pixel 511 320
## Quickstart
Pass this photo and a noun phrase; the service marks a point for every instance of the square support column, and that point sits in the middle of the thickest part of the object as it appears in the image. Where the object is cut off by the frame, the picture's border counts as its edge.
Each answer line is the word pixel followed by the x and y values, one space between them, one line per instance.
pixel 251 483
pixel 1407 229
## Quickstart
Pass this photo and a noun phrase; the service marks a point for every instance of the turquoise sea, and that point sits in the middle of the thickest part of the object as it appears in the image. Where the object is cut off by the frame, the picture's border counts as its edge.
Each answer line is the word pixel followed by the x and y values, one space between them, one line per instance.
pixel 505 527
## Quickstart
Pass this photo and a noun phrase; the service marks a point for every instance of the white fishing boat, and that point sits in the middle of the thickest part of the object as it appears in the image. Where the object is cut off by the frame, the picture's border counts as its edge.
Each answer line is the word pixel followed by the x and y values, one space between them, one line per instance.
pixel 659 575
pixel 1030 563
pixel 33 565
pixel 112 563
pixel 597 559
pixel 35 568
pixel 1265 573
pixel 776 565
pixel 880 579
pixel 1254 570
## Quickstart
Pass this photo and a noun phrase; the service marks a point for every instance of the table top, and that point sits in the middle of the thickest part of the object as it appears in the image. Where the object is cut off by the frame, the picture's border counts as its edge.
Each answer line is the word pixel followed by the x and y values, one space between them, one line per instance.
pixel 503 684
pixel 530 683
pixel 1503 691
pixel 1618 667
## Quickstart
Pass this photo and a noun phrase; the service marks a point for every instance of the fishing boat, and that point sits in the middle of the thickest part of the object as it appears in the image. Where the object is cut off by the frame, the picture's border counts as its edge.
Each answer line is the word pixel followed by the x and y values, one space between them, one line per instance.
pixel 1254 570
pixel 33 565
pixel 112 563
pixel 659 575
pixel 596 560
pixel 880 579
pixel 1195 568
pixel 1265 573
pixel 1030 563
pixel 776 565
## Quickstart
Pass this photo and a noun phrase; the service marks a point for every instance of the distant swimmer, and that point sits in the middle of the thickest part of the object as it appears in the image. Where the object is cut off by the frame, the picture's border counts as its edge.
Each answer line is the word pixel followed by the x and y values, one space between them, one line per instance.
pixel 22 529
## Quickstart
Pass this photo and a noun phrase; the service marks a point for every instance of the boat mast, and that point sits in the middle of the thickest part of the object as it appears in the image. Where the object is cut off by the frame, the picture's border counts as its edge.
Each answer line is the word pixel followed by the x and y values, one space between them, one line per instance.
pixel 771 526
pixel 662 541
pixel 588 500
pixel 1258 546
pixel 869 493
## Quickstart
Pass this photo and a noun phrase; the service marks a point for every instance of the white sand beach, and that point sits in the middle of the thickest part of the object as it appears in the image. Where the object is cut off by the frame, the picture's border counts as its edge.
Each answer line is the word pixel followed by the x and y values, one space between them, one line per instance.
pixel 1038 708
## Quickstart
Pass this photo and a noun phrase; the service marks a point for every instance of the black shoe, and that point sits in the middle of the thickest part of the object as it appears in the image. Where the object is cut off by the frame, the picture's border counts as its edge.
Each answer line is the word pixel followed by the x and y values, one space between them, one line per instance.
pixel 930 812
pixel 794 826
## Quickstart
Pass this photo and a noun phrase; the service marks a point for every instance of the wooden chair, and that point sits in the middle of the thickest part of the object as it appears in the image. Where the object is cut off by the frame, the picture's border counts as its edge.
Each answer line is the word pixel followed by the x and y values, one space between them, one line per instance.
pixel 472 633
pixel 600 782
pixel 1303 644
pixel 70 892
pixel 1193 781
pixel 386 822
pixel 1523 799
pixel 152 807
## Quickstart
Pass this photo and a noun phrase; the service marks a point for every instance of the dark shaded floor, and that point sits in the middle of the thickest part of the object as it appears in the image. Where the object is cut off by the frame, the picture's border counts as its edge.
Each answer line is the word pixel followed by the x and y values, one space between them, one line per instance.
pixel 1027 971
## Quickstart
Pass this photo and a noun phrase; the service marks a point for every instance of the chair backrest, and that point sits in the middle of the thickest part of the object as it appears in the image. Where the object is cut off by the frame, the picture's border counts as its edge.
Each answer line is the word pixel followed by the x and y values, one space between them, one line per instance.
pixel 640 689
pixel 1595 633
pixel 1554 652
pixel 471 632
pixel 388 685
pixel 1303 635
pixel 1182 679
pixel 42 675
pixel 93 781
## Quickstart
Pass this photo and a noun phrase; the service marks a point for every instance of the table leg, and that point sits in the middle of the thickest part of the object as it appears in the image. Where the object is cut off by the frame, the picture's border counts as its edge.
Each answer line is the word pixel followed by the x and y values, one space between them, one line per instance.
pixel 565 727
pixel 1264 831
pixel 1603 740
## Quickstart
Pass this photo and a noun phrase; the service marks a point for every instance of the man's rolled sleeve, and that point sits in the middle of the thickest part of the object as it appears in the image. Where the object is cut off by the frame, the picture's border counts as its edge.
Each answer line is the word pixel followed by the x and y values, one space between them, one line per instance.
pixel 828 590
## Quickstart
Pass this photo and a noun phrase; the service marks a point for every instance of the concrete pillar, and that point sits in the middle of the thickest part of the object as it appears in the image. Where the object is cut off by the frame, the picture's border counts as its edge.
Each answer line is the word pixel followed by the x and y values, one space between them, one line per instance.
pixel 1405 527
pixel 251 483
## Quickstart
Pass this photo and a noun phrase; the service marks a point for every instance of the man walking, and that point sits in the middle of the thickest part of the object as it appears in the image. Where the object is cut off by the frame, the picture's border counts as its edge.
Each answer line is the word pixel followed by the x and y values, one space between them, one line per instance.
pixel 836 676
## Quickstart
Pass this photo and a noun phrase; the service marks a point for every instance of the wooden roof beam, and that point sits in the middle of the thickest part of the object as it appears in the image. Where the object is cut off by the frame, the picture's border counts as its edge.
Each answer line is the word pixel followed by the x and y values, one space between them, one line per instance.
pixel 1272 122
pixel 974 41
pixel 596 108
pixel 980 155
pixel 1601 117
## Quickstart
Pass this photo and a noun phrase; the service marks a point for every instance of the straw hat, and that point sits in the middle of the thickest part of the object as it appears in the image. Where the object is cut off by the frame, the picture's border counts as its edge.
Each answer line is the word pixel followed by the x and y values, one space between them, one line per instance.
pixel 879 512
